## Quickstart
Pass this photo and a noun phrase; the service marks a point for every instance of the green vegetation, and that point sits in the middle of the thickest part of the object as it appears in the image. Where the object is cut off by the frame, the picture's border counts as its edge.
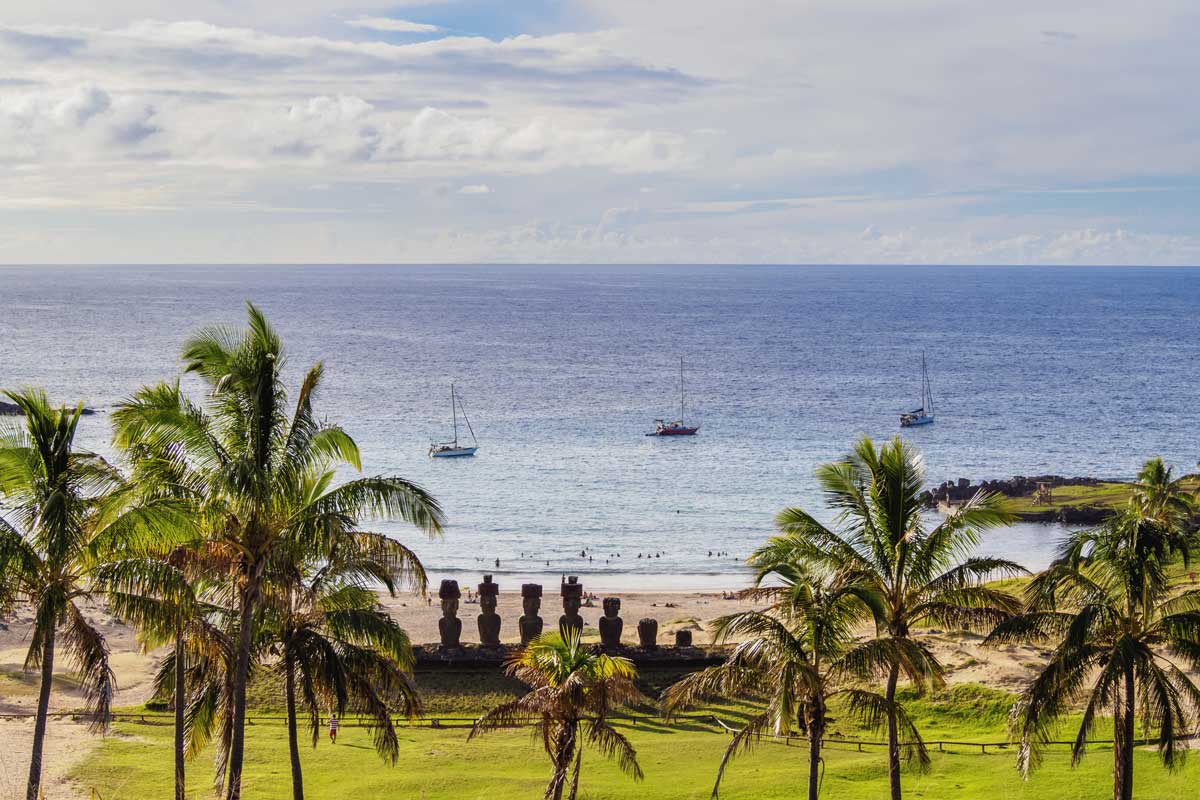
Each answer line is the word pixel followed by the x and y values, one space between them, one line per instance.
pixel 64 505
pixel 573 693
pixel 1120 633
pixel 679 762
pixel 1108 495
pixel 914 576
pixel 797 654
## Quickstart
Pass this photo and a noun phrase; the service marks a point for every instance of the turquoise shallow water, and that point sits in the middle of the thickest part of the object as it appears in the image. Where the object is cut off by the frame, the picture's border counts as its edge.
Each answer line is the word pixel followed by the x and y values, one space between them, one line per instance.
pixel 1068 370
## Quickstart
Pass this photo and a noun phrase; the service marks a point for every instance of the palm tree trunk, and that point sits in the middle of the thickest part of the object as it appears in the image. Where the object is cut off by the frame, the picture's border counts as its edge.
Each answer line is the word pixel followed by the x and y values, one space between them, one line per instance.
pixel 39 727
pixel 293 745
pixel 562 762
pixel 575 775
pixel 237 741
pixel 893 734
pixel 816 734
pixel 180 703
pixel 1127 733
pixel 1118 755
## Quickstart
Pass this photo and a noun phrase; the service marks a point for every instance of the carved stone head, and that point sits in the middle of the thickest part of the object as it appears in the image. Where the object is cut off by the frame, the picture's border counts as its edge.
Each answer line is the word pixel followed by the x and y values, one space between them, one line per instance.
pixel 449 594
pixel 572 595
pixel 487 594
pixel 531 598
pixel 612 606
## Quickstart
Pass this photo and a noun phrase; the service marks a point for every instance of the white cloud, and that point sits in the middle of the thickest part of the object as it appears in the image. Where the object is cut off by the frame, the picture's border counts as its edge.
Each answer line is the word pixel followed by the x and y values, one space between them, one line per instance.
pixel 475 188
pixel 391 25
pixel 666 131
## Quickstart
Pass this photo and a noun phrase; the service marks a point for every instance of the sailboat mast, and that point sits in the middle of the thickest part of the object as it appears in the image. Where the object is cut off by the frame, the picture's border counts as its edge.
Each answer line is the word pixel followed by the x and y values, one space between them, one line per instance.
pixel 926 389
pixel 928 386
pixel 681 390
pixel 454 412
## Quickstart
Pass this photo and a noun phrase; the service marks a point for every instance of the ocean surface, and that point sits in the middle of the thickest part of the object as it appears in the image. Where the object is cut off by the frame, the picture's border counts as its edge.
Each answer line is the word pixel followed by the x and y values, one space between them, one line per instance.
pixel 1076 371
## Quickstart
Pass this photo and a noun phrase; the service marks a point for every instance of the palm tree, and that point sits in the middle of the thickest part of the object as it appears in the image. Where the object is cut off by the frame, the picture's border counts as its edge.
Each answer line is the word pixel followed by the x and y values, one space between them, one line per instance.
pixel 266 477
pixel 1160 496
pixel 797 655
pixel 921 574
pixel 67 510
pixel 171 600
pixel 573 691
pixel 340 646
pixel 1119 630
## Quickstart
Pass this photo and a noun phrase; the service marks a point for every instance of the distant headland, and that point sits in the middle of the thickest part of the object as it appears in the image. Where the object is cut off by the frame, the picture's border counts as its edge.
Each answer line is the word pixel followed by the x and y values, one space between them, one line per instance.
pixel 1044 498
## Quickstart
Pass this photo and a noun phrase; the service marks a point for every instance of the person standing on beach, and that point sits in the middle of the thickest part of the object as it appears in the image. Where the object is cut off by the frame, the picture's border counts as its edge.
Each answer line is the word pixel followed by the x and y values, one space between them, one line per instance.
pixel 333 729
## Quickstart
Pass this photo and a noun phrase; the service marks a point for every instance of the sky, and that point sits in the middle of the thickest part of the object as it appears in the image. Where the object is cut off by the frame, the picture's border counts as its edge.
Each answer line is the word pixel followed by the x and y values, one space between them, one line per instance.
pixel 782 131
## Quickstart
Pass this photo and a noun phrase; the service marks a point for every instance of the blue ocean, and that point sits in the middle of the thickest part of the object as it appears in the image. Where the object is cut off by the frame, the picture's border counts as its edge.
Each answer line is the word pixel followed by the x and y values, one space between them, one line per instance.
pixel 563 369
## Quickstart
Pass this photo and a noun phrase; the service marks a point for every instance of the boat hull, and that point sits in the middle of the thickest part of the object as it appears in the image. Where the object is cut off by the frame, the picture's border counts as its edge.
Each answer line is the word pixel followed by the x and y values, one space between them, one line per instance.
pixel 675 431
pixel 453 452
pixel 912 422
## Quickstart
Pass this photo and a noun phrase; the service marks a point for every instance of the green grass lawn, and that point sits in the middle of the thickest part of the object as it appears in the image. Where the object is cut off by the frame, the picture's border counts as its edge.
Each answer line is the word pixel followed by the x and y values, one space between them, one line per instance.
pixel 680 762
pixel 1104 494
pixel 1110 494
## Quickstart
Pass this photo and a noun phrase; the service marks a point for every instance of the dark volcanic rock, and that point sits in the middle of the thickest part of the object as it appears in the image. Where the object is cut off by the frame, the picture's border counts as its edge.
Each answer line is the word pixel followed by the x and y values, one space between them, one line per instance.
pixel 473 656
pixel 13 410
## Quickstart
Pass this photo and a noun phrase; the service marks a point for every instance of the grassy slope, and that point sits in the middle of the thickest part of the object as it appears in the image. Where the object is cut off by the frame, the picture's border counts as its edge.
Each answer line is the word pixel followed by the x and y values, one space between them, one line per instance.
pixel 679 761
pixel 1104 494
pixel 1111 494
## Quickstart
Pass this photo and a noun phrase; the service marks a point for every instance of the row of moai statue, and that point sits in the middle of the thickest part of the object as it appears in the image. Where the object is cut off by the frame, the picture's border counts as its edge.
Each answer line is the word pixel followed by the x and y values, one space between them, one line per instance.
pixel 531 625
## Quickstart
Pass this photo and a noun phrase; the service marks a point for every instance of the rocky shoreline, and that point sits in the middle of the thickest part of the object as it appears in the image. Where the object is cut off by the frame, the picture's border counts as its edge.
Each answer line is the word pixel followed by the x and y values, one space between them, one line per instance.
pixel 953 493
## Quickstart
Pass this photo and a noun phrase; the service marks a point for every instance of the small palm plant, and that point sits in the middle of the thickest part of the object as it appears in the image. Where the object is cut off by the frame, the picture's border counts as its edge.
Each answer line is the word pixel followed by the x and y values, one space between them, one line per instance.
pixel 1120 633
pixel 66 511
pixel 921 574
pixel 573 692
pixel 795 656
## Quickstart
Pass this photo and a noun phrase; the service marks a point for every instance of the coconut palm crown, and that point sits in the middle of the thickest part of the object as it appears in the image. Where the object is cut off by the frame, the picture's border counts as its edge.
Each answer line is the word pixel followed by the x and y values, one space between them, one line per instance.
pixel 572 694
pixel 921 573
pixel 66 510
pixel 1120 632
pixel 265 478
pixel 794 656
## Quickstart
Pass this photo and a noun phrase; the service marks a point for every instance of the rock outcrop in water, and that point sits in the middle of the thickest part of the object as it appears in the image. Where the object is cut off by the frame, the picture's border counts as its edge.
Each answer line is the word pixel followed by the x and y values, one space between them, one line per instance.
pixel 13 410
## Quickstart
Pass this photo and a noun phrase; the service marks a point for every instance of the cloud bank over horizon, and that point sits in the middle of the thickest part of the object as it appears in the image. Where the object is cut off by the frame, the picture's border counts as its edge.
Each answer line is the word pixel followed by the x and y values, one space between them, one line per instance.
pixel 469 130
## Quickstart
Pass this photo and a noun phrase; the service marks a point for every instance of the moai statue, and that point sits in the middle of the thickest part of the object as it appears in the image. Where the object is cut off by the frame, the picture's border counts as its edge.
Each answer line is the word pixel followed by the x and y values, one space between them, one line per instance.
pixel 611 624
pixel 450 626
pixel 531 624
pixel 572 598
pixel 489 620
pixel 683 638
pixel 648 633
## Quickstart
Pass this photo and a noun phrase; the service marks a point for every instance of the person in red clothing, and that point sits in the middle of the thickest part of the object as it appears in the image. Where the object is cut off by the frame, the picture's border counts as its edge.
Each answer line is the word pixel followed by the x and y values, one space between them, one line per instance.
pixel 333 728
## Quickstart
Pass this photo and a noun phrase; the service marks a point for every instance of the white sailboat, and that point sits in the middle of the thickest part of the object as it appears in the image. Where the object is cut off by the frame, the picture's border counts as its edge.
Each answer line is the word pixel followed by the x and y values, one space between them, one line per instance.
pixel 453 449
pixel 924 414
pixel 675 427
